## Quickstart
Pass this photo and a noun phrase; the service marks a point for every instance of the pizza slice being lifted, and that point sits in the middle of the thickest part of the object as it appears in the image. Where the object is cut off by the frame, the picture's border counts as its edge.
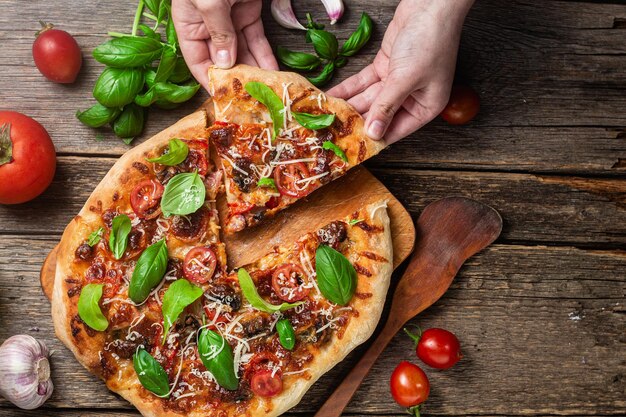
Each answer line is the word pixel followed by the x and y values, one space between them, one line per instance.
pixel 278 138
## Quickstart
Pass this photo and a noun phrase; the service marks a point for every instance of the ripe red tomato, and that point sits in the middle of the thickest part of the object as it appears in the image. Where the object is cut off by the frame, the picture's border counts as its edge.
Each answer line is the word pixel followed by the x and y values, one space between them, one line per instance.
pixel 462 106
pixel 288 176
pixel 145 199
pixel 409 386
pixel 31 167
pixel 287 283
pixel 437 348
pixel 199 265
pixel 57 55
pixel 264 384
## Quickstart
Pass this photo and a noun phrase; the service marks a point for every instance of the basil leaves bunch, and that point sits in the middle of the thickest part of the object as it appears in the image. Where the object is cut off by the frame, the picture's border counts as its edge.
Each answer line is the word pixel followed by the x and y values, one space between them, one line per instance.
pixel 249 291
pixel 142 70
pixel 326 46
pixel 336 277
pixel 217 356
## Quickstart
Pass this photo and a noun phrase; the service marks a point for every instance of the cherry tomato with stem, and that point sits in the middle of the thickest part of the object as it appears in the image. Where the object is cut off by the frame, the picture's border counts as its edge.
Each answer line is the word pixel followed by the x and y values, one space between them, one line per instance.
pixel 409 386
pixel 27 158
pixel 462 106
pixel 437 348
pixel 57 54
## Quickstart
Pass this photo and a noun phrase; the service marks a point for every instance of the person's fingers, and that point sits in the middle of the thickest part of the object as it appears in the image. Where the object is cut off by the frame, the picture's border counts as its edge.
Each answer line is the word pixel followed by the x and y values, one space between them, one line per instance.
pixel 244 55
pixel 196 54
pixel 363 101
pixel 259 46
pixel 402 125
pixel 223 44
pixel 355 84
pixel 396 88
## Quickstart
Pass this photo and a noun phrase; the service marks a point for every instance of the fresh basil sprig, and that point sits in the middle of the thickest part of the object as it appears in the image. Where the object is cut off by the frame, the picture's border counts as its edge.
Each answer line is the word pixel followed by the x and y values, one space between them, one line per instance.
pixel 118 238
pixel 286 334
pixel 324 43
pixel 323 77
pixel 130 123
pixel 98 115
pixel 128 51
pixel 328 145
pixel 336 277
pixel 217 356
pixel 95 236
pixel 266 96
pixel 176 153
pixel 116 87
pixel 184 194
pixel 179 295
pixel 151 374
pixel 89 307
pixel 267 182
pixel 297 60
pixel 359 37
pixel 148 271
pixel 181 71
pixel 249 291
pixel 166 64
pixel 314 121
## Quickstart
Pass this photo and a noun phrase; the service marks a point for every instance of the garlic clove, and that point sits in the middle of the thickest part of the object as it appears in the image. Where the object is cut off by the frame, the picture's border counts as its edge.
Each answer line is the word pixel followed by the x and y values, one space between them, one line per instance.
pixel 284 15
pixel 334 9
pixel 25 372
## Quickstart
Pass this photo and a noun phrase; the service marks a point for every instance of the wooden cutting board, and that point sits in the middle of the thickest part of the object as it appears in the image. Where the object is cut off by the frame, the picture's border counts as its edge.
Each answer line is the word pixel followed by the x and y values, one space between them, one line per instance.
pixel 334 201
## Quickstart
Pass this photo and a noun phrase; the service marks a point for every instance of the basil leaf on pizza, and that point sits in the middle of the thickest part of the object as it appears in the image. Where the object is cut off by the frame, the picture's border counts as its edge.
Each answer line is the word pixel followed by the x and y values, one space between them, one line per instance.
pixel 184 194
pixel 118 239
pixel 250 293
pixel 267 182
pixel 336 277
pixel 177 151
pixel 217 356
pixel 314 121
pixel 95 236
pixel 328 145
pixel 269 99
pixel 148 271
pixel 179 295
pixel 286 334
pixel 89 307
pixel 151 374
pixel 354 221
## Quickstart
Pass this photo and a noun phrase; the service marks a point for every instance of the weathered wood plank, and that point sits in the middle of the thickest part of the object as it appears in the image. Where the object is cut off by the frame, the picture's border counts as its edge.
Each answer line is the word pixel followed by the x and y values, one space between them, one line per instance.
pixel 511 307
pixel 559 64
pixel 535 208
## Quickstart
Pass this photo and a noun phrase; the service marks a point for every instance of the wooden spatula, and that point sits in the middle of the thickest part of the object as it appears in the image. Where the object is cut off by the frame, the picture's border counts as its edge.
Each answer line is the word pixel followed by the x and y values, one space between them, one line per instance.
pixel 449 231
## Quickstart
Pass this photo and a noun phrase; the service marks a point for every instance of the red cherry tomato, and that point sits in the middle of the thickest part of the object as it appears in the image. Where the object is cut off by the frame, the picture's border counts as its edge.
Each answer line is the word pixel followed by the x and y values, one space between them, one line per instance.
pixel 145 199
pixel 409 385
pixel 57 55
pixel 462 106
pixel 437 348
pixel 286 177
pixel 199 265
pixel 287 282
pixel 31 167
pixel 264 384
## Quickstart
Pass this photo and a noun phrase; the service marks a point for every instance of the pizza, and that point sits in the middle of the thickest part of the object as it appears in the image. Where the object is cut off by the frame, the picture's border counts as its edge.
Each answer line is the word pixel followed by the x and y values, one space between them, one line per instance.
pixel 277 139
pixel 144 298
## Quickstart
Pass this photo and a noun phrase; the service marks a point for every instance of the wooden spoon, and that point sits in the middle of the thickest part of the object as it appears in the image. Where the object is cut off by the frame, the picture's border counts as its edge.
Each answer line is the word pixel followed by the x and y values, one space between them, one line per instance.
pixel 449 231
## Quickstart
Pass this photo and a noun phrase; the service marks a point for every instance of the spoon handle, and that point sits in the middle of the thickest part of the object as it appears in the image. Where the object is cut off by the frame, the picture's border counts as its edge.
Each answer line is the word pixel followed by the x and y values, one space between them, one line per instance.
pixel 335 404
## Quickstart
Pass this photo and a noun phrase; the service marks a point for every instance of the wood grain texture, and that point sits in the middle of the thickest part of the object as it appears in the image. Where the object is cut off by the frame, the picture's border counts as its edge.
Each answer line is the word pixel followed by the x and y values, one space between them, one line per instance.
pixel 531 320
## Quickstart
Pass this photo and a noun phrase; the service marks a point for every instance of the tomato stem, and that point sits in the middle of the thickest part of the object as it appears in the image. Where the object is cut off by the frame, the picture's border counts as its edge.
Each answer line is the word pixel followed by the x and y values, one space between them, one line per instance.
pixel 6 145
pixel 44 27
pixel 415 410
pixel 153 17
pixel 416 337
pixel 137 17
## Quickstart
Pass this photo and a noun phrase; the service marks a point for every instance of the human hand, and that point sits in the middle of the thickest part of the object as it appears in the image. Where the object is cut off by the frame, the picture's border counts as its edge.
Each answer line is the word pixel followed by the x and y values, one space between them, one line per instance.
pixel 221 32
pixel 408 84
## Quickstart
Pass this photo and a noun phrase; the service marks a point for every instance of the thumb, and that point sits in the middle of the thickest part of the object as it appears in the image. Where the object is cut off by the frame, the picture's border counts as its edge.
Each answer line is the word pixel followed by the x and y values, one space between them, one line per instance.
pixel 395 90
pixel 223 43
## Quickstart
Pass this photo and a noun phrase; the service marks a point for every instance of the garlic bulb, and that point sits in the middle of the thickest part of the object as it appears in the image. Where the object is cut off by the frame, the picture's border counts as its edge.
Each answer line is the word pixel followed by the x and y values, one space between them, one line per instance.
pixel 284 15
pixel 334 9
pixel 25 372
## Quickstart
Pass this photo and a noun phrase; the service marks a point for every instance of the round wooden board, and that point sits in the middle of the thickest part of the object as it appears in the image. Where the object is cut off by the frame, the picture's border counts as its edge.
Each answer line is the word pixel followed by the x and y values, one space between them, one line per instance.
pixel 334 201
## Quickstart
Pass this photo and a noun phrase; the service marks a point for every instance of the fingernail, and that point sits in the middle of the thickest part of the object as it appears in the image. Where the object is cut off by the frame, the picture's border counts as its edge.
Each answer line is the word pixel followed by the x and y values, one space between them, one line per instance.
pixel 376 129
pixel 222 59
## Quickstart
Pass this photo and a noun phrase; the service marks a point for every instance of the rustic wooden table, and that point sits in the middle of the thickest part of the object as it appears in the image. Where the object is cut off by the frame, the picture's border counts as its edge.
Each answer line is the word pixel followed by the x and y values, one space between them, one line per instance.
pixel 540 314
